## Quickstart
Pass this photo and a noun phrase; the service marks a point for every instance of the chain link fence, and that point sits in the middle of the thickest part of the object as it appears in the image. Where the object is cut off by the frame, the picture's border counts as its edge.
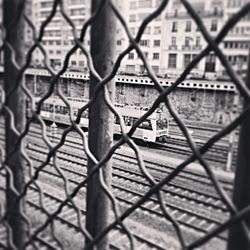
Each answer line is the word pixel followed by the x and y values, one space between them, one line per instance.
pixel 98 146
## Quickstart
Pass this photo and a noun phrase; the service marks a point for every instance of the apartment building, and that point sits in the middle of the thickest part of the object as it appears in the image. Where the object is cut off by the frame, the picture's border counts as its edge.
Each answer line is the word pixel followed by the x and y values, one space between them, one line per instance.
pixel 182 38
pixel 173 39
pixel 58 35
pixel 169 42
pixel 151 41
pixel 237 43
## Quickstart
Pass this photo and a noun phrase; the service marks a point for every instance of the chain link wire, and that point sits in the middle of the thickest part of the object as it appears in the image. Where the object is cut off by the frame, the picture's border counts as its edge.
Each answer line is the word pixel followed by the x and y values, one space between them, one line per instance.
pixel 32 178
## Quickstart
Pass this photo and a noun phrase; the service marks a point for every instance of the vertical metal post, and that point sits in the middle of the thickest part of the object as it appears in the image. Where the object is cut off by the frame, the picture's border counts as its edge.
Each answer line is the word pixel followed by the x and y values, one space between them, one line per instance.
pixel 16 103
pixel 241 196
pixel 100 120
pixel 230 151
pixel 35 84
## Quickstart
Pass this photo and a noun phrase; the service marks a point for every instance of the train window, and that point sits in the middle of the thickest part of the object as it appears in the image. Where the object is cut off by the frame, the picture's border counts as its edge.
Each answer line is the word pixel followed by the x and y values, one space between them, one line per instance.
pixel 63 109
pixel 51 108
pixel 57 109
pixel 75 111
pixel 127 120
pixel 45 107
pixel 84 114
pixel 162 124
pixel 146 125
pixel 116 120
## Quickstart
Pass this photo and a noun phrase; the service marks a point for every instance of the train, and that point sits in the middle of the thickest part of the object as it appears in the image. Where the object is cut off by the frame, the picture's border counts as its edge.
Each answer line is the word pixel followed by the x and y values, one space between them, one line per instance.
pixel 153 129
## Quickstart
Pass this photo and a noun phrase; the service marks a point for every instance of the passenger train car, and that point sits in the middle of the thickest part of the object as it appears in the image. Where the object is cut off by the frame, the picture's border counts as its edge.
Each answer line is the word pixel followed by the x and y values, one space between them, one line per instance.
pixel 153 129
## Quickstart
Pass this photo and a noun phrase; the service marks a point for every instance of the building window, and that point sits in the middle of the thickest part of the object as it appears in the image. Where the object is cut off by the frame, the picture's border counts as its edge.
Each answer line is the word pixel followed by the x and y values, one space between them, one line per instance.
pixel 187 41
pixel 119 42
pixel 132 5
pixel 132 30
pixel 173 41
pixel 188 26
pixel 73 63
pixel 145 54
pixel 142 68
pixel 155 68
pixel 210 63
pixel 172 60
pixel 174 26
pixel 81 63
pixel 214 25
pixel 131 55
pixel 147 30
pixel 144 43
pixel 156 56
pixel 158 18
pixel 132 18
pixel 157 43
pixel 130 68
pixel 142 16
pixel 198 41
pixel 145 3
pixel 77 12
pixel 187 60
pixel 193 56
pixel 157 30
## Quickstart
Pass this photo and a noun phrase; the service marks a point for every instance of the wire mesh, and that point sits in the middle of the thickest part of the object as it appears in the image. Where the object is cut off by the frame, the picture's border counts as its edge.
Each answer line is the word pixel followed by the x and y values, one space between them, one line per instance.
pixel 49 224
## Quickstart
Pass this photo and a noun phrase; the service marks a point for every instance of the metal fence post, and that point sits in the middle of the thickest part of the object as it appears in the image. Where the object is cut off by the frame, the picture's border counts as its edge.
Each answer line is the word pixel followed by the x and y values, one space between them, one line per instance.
pixel 16 103
pixel 100 120
pixel 241 196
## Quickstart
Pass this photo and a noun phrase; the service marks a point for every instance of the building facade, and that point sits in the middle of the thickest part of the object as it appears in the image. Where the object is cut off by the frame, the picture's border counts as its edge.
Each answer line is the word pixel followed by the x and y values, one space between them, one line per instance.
pixel 182 38
pixel 58 36
pixel 236 44
pixel 169 42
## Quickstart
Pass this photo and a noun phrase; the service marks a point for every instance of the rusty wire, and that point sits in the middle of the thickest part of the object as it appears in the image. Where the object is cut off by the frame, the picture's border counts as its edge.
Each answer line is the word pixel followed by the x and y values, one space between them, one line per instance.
pixel 212 45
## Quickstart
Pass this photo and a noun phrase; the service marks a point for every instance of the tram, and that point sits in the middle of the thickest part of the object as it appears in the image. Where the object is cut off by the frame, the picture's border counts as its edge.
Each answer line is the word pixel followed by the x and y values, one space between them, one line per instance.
pixel 153 129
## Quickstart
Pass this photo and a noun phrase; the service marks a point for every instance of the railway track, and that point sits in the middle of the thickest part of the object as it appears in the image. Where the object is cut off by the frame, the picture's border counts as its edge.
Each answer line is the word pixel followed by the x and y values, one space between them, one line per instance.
pixel 68 219
pixel 210 210
pixel 128 184
pixel 216 155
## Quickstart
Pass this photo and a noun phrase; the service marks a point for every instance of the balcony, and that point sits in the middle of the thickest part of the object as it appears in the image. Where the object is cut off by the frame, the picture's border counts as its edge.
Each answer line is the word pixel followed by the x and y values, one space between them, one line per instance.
pixel 186 47
pixel 172 47
pixel 197 47
pixel 204 14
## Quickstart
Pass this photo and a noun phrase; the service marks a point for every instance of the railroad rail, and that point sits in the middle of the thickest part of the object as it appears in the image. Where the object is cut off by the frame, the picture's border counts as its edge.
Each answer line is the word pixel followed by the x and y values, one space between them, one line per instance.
pixel 190 196
pixel 68 218
pixel 187 201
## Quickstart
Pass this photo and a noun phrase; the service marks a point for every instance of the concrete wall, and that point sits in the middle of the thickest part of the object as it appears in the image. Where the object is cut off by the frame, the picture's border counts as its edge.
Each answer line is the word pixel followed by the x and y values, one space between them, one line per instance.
pixel 196 105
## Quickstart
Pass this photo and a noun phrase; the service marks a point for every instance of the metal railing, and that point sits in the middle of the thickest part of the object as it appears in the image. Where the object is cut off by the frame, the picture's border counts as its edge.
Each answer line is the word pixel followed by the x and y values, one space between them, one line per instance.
pixel 98 146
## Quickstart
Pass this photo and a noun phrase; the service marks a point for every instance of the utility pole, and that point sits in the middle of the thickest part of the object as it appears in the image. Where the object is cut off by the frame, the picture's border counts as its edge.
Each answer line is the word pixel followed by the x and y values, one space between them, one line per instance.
pixel 241 196
pixel 16 104
pixel 101 121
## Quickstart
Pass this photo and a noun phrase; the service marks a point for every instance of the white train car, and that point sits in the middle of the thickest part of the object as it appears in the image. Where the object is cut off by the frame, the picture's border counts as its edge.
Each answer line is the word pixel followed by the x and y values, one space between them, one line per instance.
pixel 153 129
